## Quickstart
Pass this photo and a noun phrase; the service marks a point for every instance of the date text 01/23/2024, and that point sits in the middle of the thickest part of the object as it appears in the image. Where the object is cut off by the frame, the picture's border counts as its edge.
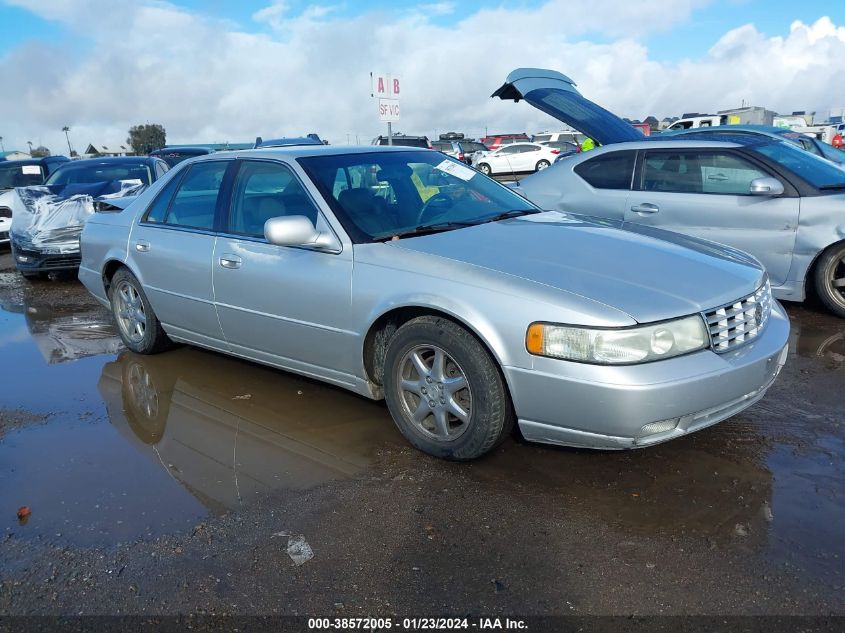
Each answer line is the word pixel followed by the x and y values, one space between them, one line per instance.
pixel 415 624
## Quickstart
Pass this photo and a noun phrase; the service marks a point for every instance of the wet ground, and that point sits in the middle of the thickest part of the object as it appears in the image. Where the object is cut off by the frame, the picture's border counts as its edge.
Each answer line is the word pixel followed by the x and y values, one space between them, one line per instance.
pixel 175 484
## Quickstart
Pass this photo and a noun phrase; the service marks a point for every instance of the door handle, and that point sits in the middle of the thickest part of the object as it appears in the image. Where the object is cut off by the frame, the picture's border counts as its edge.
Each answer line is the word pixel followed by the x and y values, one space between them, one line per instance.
pixel 645 208
pixel 142 246
pixel 717 177
pixel 230 261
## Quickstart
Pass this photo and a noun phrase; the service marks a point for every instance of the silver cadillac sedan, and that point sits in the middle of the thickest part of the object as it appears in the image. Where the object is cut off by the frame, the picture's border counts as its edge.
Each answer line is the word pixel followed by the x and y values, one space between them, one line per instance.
pixel 403 274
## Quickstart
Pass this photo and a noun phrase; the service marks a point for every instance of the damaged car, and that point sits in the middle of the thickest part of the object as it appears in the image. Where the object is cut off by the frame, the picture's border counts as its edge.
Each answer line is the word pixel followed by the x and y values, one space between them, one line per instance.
pixel 768 197
pixel 402 274
pixel 21 173
pixel 48 219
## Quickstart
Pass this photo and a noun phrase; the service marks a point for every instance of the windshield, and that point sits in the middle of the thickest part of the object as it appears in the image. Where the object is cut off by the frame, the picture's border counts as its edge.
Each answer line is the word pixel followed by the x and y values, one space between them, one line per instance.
pixel 378 195
pixel 17 175
pixel 815 170
pixel 101 172
pixel 174 158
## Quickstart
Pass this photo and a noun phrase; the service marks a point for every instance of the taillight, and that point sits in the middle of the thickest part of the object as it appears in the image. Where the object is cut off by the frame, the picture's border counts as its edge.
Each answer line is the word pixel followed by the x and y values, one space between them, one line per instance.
pixel 555 151
pixel 461 156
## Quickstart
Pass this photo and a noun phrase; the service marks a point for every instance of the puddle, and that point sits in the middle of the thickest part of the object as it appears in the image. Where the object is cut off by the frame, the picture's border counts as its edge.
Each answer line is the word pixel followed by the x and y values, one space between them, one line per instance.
pixel 106 446
pixel 118 447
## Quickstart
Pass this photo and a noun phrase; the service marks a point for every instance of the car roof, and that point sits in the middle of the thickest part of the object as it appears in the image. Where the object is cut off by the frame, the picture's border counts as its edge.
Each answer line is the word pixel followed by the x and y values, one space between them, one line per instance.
pixel 304 151
pixel 34 161
pixel 669 143
pixel 111 160
pixel 199 151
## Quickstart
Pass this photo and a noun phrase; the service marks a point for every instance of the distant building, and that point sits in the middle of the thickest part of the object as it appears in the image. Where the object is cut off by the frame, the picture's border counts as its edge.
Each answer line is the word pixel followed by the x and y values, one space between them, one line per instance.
pixel 113 149
pixel 13 155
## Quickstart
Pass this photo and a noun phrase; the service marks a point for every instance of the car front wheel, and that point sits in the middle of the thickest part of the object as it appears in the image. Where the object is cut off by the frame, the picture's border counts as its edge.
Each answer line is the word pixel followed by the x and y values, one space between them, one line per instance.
pixel 444 390
pixel 137 324
pixel 830 279
pixel 484 168
pixel 542 164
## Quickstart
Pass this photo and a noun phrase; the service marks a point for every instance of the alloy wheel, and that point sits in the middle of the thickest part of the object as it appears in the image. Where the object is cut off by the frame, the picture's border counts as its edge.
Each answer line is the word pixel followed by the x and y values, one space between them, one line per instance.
pixel 130 313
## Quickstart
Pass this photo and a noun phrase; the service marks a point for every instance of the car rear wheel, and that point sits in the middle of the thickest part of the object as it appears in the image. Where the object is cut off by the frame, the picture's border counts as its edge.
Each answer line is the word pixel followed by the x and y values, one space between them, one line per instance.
pixel 542 164
pixel 484 168
pixel 137 324
pixel 830 279
pixel 444 390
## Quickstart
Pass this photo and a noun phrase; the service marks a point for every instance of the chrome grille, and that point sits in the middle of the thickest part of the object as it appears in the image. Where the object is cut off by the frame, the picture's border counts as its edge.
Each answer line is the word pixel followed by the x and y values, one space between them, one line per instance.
pixel 738 323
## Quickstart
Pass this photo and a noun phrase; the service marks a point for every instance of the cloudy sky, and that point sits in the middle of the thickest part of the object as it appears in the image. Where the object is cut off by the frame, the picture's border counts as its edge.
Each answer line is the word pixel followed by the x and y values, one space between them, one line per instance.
pixel 217 70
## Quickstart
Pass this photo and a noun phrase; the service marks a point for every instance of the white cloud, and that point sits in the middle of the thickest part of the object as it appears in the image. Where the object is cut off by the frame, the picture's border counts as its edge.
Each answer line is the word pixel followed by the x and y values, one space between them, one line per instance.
pixel 205 80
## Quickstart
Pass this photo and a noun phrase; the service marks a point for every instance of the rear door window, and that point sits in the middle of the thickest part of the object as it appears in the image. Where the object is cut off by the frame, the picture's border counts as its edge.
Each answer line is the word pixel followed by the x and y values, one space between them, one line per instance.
pixel 194 204
pixel 613 170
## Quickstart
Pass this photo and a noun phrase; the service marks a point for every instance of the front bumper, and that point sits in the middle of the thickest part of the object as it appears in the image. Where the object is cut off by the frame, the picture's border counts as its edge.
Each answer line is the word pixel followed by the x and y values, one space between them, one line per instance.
pixel 592 406
pixel 31 259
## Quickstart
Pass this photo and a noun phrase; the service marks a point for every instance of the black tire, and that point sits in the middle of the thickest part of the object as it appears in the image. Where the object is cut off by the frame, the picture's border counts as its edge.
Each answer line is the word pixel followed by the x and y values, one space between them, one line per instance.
pixel 484 168
pixel 484 400
pixel 542 164
pixel 830 270
pixel 151 339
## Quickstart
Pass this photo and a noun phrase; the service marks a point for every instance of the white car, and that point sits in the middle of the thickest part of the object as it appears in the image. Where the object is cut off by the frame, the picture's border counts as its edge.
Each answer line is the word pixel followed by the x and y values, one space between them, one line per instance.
pixel 515 158
pixel 5 216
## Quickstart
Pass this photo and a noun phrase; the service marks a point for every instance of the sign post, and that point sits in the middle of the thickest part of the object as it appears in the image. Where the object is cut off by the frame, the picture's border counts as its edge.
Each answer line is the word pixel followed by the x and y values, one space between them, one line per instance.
pixel 387 89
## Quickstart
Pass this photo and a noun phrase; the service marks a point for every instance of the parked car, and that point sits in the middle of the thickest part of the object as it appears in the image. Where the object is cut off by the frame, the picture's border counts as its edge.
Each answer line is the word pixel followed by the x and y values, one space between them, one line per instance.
pixel 515 159
pixel 572 137
pixel 767 197
pixel 497 140
pixel 450 148
pixel 311 139
pixel 804 141
pixel 175 155
pixel 404 140
pixel 29 171
pixel 21 173
pixel 47 220
pixel 566 148
pixel 458 301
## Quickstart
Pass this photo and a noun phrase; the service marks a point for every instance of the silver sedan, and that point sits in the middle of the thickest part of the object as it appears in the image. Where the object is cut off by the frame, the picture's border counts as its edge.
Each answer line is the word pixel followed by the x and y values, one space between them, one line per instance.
pixel 402 274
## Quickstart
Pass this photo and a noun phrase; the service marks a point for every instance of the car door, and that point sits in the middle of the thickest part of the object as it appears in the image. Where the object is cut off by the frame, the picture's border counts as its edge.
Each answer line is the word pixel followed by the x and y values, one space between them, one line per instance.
pixel 171 249
pixel 284 305
pixel 603 185
pixel 706 193
pixel 505 160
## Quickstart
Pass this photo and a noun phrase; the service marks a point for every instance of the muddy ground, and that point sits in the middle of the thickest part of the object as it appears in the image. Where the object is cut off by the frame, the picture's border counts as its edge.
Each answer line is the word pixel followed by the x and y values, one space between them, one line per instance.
pixel 178 484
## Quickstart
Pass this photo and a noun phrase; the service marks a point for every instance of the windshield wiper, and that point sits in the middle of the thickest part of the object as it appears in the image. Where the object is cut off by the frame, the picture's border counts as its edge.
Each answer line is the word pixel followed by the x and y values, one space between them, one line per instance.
pixel 838 185
pixel 440 227
pixel 513 213
pixel 425 229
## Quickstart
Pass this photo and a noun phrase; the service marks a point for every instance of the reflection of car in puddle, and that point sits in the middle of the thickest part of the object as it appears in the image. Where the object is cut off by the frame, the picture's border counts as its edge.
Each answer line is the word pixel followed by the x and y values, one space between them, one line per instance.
pixel 228 430
pixel 65 337
pixel 62 334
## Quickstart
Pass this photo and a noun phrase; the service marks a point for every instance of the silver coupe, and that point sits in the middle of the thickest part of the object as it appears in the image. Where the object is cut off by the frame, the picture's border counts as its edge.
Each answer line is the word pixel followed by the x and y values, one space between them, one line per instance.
pixel 402 274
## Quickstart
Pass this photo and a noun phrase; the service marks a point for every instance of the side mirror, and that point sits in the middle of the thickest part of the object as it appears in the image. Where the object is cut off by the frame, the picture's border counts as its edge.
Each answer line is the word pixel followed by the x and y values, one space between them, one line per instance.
pixel 766 187
pixel 297 230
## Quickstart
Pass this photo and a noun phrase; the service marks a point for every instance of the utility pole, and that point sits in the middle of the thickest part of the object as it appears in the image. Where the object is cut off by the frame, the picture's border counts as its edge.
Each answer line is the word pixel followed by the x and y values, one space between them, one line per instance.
pixel 30 147
pixel 66 129
pixel 2 149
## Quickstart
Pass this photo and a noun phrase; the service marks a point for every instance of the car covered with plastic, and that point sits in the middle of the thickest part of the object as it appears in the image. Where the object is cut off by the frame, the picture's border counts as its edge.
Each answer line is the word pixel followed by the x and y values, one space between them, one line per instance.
pixel 47 219
pixel 21 173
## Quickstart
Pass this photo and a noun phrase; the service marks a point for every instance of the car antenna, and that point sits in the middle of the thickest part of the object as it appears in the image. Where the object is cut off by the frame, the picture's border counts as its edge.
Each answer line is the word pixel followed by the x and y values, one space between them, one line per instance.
pixel 513 173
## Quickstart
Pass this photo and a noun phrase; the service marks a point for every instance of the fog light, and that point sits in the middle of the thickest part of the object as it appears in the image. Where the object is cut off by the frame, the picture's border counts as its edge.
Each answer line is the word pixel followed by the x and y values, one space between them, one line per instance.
pixel 652 428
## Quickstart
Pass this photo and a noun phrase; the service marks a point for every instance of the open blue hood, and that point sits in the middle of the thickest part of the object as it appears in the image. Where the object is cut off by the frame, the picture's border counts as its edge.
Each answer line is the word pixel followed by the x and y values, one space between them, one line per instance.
pixel 554 93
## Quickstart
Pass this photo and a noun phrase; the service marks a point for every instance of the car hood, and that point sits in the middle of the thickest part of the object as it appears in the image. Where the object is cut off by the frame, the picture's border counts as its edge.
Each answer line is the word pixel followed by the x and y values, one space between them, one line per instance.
pixel 554 93
pixel 649 274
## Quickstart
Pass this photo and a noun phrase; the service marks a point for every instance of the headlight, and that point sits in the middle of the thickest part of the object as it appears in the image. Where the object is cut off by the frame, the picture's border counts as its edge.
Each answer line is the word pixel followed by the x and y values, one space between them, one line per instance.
pixel 621 346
